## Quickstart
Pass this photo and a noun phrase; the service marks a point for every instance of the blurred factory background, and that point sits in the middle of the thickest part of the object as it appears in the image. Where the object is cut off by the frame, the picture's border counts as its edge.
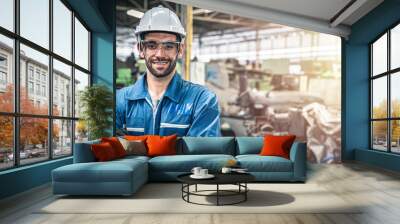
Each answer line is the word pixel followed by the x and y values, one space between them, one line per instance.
pixel 269 78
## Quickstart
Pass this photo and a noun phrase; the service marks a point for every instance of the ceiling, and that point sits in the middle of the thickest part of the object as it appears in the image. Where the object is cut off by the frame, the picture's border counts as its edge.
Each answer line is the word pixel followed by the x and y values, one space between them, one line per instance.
pixel 325 16
pixel 213 17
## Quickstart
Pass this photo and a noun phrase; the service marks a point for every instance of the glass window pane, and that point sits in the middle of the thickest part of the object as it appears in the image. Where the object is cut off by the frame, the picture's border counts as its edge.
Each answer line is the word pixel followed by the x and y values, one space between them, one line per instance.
pixel 35 21
pixel 33 139
pixel 395 47
pixel 395 138
pixel 62 29
pixel 379 55
pixel 81 131
pixel 62 138
pixel 6 142
pixel 379 135
pixel 395 94
pixel 81 45
pixel 81 81
pixel 7 14
pixel 6 74
pixel 34 97
pixel 379 98
pixel 62 89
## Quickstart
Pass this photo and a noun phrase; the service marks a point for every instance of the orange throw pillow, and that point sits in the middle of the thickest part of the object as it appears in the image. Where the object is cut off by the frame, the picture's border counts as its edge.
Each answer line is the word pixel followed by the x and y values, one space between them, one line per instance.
pixel 116 145
pixel 161 145
pixel 277 145
pixel 103 152
pixel 135 138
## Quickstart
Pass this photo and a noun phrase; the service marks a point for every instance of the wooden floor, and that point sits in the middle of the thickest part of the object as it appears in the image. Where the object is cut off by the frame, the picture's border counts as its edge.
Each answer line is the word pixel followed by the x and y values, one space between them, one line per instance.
pixel 378 189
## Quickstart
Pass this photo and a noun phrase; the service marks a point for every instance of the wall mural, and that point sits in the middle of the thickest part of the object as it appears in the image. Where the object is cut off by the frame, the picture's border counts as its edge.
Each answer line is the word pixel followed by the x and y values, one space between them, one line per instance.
pixel 278 80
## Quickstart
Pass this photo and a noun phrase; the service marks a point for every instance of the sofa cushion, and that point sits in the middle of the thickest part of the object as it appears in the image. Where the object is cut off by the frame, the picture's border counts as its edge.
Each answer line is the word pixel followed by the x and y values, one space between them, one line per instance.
pixel 161 145
pixel 277 145
pixel 83 152
pixel 136 147
pixel 185 163
pixel 208 145
pixel 135 137
pixel 111 171
pixel 116 145
pixel 103 152
pixel 249 145
pixel 257 163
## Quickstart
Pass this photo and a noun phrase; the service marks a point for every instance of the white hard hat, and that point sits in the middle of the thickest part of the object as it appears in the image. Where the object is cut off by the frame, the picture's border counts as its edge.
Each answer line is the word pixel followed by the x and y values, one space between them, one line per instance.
pixel 160 19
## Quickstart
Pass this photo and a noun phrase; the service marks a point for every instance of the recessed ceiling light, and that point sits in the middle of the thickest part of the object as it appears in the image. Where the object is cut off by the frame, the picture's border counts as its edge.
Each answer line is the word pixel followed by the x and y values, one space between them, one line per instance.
pixel 135 13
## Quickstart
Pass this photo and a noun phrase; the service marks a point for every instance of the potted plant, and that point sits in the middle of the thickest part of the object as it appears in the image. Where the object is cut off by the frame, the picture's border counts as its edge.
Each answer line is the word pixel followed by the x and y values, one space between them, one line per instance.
pixel 96 102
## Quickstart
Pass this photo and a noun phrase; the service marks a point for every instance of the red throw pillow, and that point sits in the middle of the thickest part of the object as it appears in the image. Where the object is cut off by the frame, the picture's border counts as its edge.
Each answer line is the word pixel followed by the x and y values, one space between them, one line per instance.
pixel 277 145
pixel 103 152
pixel 116 145
pixel 161 145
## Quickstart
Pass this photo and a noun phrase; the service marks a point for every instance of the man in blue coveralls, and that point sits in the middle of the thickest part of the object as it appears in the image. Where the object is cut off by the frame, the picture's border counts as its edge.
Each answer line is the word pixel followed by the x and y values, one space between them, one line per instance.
pixel 161 102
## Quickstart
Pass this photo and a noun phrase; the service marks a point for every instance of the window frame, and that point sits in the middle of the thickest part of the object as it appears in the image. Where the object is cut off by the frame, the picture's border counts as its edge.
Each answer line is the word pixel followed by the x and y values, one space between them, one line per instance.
pixel 388 74
pixel 16 114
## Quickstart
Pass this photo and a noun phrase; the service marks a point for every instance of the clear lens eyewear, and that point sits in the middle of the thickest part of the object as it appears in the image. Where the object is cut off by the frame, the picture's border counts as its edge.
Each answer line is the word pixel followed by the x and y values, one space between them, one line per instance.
pixel 166 46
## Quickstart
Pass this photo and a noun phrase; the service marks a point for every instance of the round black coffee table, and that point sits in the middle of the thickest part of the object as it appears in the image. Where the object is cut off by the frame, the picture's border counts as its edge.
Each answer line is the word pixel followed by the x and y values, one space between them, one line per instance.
pixel 238 179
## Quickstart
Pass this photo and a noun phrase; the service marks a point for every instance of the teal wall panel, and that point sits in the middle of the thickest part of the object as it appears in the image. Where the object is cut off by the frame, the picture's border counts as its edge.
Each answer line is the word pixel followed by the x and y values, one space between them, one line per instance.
pixel 24 178
pixel 379 159
pixel 356 85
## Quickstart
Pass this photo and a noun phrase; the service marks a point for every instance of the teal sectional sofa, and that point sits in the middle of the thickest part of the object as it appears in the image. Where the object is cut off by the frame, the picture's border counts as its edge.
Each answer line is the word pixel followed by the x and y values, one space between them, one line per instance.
pixel 125 176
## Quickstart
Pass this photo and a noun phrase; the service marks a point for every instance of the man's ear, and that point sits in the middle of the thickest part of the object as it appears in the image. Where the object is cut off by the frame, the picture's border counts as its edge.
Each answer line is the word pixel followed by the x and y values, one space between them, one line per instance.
pixel 141 51
pixel 182 48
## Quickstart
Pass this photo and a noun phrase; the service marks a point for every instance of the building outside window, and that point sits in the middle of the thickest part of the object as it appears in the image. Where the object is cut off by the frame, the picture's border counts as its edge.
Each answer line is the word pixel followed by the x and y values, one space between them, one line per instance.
pixel 3 71
pixel 43 90
pixel 3 78
pixel 30 72
pixel 43 78
pixel 30 87
pixel 38 89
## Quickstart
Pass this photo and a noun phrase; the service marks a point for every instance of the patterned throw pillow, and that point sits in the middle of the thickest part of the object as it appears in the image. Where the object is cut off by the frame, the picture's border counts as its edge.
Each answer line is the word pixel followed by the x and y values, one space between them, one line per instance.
pixel 135 147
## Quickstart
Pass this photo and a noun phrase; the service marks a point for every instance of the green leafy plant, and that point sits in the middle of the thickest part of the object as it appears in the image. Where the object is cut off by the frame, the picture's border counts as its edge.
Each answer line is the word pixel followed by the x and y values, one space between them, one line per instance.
pixel 96 102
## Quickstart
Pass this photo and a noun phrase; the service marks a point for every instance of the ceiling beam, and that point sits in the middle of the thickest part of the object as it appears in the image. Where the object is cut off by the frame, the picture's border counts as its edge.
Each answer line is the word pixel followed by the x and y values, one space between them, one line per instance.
pixel 226 21
pixel 269 15
pixel 166 4
pixel 137 5
pixel 347 11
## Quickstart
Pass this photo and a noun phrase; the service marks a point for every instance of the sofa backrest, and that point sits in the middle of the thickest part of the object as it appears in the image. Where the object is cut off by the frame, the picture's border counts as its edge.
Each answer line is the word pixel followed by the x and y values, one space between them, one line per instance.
pixel 249 145
pixel 83 152
pixel 206 145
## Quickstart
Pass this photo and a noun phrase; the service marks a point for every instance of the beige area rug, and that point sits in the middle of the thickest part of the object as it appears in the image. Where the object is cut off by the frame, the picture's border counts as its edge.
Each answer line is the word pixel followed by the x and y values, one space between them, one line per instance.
pixel 166 198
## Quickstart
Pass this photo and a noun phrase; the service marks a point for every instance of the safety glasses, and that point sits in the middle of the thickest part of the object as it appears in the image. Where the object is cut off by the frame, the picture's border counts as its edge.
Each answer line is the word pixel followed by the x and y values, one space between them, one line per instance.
pixel 168 46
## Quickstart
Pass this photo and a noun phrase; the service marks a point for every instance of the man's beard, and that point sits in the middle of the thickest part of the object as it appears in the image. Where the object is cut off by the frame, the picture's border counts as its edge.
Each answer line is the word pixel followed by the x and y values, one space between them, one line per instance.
pixel 166 72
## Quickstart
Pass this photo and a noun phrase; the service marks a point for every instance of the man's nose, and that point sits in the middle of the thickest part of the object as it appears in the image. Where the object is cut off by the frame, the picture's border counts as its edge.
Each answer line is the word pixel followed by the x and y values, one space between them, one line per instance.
pixel 160 50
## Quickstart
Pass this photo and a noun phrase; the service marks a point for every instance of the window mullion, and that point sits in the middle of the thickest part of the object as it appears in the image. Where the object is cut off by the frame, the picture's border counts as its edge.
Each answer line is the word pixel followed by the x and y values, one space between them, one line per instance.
pixel 73 81
pixel 50 81
pixel 389 106
pixel 16 84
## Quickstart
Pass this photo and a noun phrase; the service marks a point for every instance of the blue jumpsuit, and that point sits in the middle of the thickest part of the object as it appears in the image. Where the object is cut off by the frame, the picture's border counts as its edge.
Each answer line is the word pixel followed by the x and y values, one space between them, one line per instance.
pixel 186 109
